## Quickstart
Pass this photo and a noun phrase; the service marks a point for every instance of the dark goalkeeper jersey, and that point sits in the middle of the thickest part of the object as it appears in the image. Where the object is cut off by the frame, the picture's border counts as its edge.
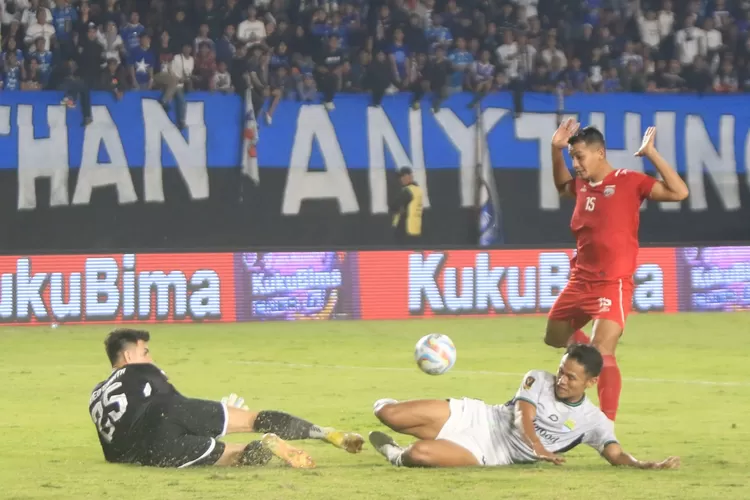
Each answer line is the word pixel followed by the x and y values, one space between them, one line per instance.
pixel 119 406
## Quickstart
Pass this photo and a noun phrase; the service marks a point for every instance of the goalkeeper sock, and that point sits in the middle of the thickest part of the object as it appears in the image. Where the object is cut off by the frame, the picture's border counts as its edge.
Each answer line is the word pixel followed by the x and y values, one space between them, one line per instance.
pixel 286 426
pixel 610 385
pixel 255 454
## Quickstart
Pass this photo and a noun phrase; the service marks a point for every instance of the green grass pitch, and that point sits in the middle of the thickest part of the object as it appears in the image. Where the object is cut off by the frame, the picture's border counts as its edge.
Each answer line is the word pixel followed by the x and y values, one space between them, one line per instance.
pixel 686 392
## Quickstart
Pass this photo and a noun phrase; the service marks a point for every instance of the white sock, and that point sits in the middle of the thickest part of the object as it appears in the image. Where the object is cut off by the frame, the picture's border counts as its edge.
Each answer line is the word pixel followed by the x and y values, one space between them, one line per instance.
pixel 380 403
pixel 393 454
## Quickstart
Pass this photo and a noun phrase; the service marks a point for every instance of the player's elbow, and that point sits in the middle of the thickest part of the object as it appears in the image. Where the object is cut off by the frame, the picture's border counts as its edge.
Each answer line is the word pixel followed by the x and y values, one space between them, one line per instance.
pixel 564 190
pixel 682 194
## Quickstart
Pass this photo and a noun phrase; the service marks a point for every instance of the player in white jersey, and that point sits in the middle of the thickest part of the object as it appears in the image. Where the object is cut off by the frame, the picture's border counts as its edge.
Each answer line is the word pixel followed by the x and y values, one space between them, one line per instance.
pixel 549 415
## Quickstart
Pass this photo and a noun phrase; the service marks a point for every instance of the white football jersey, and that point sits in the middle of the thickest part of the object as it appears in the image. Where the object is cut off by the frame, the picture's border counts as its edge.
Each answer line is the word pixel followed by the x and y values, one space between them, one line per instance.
pixel 560 426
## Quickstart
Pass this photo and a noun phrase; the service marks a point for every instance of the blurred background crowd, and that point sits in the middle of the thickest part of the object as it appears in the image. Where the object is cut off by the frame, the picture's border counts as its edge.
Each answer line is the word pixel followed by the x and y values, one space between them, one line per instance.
pixel 311 49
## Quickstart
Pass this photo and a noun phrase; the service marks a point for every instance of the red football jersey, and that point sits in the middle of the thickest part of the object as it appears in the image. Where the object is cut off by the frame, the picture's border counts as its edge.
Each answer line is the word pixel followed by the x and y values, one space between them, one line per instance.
pixel 605 223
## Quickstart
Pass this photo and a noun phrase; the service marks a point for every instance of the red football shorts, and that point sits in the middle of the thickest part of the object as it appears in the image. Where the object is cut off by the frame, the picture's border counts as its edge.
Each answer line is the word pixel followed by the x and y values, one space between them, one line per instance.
pixel 581 301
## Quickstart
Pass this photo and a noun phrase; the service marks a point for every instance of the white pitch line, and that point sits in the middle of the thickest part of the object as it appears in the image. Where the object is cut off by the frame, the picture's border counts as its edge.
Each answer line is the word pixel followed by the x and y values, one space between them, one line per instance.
pixel 486 372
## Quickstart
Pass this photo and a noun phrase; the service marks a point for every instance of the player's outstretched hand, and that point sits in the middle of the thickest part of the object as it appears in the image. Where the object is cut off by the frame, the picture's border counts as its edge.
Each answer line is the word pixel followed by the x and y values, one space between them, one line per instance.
pixel 565 131
pixel 647 145
pixel 234 401
pixel 669 463
pixel 548 456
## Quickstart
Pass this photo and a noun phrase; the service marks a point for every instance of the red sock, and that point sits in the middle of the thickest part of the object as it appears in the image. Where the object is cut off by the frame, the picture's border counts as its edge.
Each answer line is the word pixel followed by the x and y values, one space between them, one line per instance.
pixel 579 337
pixel 610 385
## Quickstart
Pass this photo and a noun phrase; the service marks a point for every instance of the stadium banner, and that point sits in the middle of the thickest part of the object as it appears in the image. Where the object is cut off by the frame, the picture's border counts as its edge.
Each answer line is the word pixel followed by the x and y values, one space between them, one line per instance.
pixel 131 178
pixel 296 285
pixel 403 284
pixel 338 285
pixel 714 278
pixel 117 288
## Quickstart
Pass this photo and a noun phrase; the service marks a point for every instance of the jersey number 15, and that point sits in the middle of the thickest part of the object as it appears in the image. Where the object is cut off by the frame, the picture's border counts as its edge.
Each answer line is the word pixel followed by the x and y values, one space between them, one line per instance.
pixel 106 423
pixel 590 203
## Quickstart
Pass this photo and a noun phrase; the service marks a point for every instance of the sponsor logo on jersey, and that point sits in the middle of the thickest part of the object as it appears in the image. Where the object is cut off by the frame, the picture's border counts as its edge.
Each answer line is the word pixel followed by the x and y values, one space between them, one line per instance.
pixel 554 418
pixel 609 191
pixel 528 383
pixel 545 434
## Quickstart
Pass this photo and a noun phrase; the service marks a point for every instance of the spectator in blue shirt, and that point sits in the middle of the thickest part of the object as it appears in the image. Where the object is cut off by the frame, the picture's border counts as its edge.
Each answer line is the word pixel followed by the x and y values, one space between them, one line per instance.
pixel 225 48
pixel 44 58
pixel 132 32
pixel 461 60
pixel 63 17
pixel 438 34
pixel 12 76
pixel 399 56
pixel 279 58
pixel 141 62
pixel 612 82
pixel 11 47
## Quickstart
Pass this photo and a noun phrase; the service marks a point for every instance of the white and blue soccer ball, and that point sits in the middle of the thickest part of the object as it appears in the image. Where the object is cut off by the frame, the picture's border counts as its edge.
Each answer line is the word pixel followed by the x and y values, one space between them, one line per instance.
pixel 435 354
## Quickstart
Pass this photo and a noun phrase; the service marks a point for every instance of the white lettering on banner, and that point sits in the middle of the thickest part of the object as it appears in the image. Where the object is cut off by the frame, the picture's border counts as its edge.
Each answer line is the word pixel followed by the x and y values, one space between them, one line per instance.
pixel 189 154
pixel 484 288
pixel 465 140
pixel 649 291
pixel 380 134
pixel 666 144
pixel 554 268
pixel 721 167
pixel 48 157
pixel 5 127
pixel 313 123
pixel 42 158
pixel 111 288
pixel 92 174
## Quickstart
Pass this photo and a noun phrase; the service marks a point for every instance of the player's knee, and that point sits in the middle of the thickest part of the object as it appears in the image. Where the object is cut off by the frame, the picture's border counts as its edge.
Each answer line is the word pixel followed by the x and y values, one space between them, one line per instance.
pixel 385 410
pixel 557 334
pixel 554 339
pixel 551 341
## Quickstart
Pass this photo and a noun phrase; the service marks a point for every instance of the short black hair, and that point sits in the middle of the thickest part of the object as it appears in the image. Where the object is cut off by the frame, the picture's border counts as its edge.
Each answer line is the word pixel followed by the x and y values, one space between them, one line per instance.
pixel 118 339
pixel 587 356
pixel 589 135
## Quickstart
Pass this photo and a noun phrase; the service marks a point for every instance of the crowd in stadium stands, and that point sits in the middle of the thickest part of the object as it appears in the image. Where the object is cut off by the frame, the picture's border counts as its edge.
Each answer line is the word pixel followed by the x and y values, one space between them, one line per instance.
pixel 300 49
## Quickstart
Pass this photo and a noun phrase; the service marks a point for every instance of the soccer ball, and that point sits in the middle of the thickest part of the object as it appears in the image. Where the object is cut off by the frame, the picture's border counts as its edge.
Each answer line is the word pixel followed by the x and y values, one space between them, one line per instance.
pixel 435 354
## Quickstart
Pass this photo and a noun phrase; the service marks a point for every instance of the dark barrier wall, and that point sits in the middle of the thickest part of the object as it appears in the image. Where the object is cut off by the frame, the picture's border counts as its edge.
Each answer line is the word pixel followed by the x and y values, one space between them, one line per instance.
pixel 132 180
pixel 329 285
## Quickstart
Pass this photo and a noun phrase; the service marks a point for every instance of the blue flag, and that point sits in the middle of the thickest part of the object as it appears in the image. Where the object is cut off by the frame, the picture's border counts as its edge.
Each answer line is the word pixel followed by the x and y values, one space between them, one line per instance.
pixel 488 200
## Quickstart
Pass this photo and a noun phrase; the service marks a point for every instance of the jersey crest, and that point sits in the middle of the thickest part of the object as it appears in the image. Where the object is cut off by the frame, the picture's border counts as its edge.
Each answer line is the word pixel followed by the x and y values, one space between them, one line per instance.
pixel 609 191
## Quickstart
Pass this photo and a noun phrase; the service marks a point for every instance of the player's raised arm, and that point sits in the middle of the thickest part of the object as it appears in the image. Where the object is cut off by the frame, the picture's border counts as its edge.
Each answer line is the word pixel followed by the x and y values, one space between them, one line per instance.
pixel 560 171
pixel 615 455
pixel 671 187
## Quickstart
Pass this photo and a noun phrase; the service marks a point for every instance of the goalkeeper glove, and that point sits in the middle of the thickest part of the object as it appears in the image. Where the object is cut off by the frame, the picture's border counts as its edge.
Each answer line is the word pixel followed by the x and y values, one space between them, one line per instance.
pixel 235 401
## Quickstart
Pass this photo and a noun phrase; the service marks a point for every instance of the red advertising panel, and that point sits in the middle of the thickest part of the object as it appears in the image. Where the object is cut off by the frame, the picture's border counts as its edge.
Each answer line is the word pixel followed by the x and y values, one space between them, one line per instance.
pixel 117 288
pixel 404 284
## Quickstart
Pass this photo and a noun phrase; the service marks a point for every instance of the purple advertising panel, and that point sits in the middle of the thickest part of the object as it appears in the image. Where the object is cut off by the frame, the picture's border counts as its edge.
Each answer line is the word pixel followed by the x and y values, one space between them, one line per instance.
pixel 296 285
pixel 714 278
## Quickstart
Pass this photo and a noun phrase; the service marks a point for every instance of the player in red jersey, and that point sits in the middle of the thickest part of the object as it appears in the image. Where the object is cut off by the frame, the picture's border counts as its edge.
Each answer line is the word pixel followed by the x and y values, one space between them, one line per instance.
pixel 605 223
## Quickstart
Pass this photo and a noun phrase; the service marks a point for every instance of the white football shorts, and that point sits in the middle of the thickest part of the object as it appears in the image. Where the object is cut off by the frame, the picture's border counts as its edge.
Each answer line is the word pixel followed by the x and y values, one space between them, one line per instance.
pixel 473 425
